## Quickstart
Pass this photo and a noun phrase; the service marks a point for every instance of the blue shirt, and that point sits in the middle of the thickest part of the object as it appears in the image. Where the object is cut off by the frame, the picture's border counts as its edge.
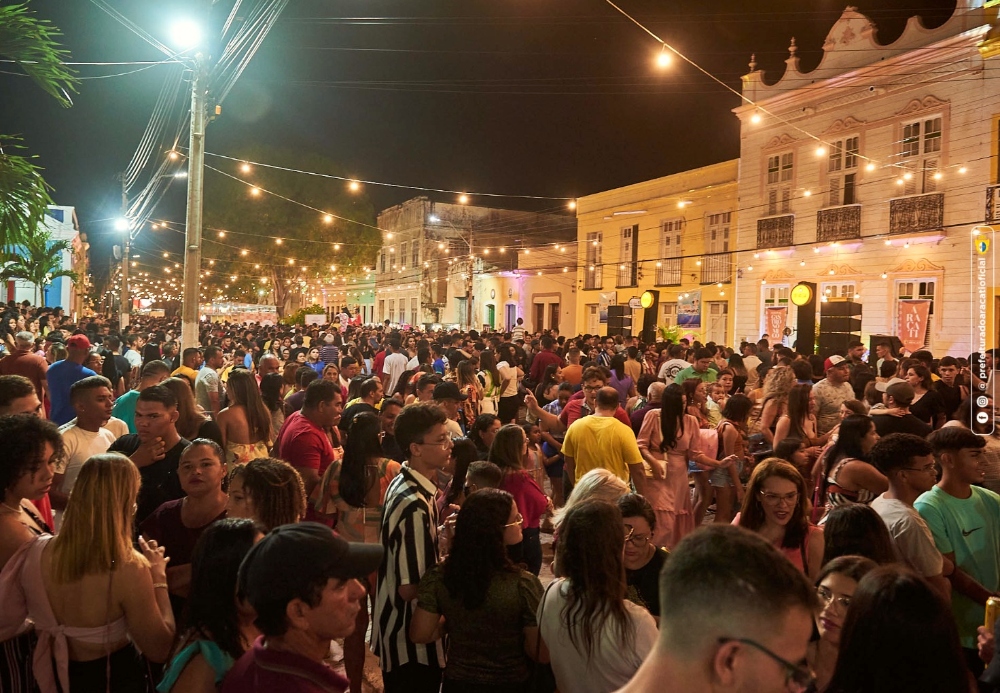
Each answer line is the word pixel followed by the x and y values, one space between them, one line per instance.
pixel 125 409
pixel 61 376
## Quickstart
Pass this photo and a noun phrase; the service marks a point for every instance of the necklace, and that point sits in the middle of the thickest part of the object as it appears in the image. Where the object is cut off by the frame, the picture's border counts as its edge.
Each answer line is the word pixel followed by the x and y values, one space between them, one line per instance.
pixel 10 508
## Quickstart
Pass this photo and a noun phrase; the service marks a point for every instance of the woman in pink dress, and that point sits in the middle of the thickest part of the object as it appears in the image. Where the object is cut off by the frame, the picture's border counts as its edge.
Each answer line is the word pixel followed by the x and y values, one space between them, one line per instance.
pixel 667 439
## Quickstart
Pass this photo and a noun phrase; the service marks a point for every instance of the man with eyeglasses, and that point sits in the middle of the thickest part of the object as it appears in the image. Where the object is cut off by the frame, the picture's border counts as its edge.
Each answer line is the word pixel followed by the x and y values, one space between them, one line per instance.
pixel 409 536
pixel 735 615
pixel 907 461
pixel 965 522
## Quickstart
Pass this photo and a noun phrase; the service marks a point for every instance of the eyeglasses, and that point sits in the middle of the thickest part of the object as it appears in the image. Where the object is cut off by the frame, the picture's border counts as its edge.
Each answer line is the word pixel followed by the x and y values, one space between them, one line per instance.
pixel 777 498
pixel 636 541
pixel 444 442
pixel 826 596
pixel 517 521
pixel 592 388
pixel 929 469
pixel 797 678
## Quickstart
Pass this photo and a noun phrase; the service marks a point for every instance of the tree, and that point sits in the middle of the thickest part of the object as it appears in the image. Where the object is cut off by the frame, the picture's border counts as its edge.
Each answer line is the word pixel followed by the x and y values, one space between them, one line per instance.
pixel 38 260
pixel 24 194
pixel 310 244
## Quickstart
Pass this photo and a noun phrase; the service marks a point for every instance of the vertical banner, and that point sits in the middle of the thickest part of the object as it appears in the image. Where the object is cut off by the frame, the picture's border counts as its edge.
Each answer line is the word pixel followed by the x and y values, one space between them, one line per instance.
pixel 912 325
pixel 689 310
pixel 775 320
pixel 605 299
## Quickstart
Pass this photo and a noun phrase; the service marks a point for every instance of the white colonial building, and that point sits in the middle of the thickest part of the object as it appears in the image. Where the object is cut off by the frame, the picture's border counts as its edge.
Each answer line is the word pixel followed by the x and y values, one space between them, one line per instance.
pixel 869 175
pixel 517 265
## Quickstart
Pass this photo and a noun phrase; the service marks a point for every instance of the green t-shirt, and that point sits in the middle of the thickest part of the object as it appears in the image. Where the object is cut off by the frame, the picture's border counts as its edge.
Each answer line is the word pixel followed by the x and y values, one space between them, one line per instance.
pixel 125 409
pixel 486 645
pixel 709 376
pixel 969 528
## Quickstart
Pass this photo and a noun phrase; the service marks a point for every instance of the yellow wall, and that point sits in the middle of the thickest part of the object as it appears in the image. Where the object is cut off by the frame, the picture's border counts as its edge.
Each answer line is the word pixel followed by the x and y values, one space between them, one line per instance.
pixel 690 196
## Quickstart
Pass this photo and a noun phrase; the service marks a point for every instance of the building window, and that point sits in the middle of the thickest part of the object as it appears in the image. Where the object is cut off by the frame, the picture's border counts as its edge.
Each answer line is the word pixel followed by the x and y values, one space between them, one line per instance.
pixel 382 262
pixel 717 233
pixel 392 310
pixel 918 288
pixel 539 323
pixel 381 309
pixel 669 314
pixel 838 290
pixel 594 271
pixel 629 256
pixel 553 316
pixel 842 171
pixel 780 171
pixel 668 267
pixel 402 254
pixel 919 155
pixel 415 262
pixel 413 311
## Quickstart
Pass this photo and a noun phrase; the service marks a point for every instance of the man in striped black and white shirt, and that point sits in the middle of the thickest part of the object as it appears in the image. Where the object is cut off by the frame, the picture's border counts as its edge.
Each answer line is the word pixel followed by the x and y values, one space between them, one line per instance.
pixel 409 536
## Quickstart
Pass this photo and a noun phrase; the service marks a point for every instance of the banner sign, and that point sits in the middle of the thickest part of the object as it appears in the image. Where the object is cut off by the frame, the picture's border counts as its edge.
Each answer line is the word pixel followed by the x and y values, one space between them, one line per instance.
pixel 776 319
pixel 605 299
pixel 689 310
pixel 912 325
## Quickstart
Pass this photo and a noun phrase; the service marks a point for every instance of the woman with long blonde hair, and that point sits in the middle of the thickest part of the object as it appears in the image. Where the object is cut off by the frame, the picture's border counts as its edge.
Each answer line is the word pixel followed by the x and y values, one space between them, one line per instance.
pixel 246 422
pixel 95 601
pixel 777 385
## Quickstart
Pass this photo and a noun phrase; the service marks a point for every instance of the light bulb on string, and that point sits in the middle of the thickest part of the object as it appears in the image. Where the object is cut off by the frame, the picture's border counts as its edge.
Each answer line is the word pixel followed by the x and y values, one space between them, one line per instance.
pixel 663 59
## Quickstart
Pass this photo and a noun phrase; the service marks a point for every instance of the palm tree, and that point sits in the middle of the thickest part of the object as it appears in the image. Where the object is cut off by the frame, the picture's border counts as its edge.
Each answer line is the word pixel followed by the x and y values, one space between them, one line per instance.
pixel 38 260
pixel 24 194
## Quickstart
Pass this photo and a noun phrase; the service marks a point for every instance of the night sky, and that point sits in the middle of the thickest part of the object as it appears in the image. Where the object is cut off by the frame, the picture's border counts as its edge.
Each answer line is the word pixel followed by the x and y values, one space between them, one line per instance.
pixel 527 97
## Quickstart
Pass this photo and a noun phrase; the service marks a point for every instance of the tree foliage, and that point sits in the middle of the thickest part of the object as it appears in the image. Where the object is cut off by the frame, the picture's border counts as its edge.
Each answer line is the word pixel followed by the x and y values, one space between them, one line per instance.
pixel 31 44
pixel 253 223
pixel 37 260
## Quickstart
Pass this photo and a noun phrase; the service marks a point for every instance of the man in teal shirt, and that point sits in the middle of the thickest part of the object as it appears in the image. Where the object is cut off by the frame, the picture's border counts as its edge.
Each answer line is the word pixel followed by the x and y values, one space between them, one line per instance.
pixel 700 368
pixel 153 373
pixel 965 522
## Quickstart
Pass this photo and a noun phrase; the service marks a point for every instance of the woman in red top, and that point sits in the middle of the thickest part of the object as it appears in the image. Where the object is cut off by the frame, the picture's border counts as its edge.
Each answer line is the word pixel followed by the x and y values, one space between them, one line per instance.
pixel 507 452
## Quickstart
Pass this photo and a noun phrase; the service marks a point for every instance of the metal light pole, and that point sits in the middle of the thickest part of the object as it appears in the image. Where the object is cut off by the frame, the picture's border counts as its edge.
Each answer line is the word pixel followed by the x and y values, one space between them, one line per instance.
pixel 468 287
pixel 125 300
pixel 192 228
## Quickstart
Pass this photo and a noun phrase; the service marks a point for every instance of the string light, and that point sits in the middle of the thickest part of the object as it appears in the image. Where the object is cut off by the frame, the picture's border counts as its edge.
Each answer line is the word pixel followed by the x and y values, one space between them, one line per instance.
pixel 255 191
pixel 354 186
pixel 245 167
pixel 327 219
pixel 463 199
pixel 664 58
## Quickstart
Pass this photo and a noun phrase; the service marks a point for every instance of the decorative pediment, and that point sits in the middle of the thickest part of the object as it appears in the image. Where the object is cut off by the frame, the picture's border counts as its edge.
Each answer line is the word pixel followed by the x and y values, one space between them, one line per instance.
pixel 840 270
pixel 777 275
pixel 925 104
pixel 839 125
pixel 921 265
pixel 779 140
pixel 852 31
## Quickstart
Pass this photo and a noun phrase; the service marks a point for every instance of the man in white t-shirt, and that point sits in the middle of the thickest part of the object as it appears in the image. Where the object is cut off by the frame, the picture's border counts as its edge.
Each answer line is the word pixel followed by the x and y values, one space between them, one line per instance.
pixel 908 463
pixel 83 437
pixel 393 366
pixel 673 366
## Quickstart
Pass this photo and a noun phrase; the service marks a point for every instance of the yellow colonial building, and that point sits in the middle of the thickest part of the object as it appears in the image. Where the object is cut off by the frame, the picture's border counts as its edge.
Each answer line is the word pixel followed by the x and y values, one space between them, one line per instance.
pixel 674 234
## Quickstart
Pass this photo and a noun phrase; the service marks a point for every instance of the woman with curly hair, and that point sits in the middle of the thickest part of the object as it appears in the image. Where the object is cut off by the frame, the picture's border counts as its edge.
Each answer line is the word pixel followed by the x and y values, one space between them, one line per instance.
pixel 485 602
pixel 468 384
pixel 777 385
pixel 33 449
pixel 596 639
pixel 267 490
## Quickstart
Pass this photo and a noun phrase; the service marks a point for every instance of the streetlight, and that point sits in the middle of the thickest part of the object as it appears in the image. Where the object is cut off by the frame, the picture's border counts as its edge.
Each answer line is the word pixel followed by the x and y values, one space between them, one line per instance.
pixel 185 34
pixel 123 225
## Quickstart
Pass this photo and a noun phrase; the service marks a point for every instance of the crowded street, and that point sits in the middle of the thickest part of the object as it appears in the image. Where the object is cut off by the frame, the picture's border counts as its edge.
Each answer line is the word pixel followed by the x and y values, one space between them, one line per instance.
pixel 724 423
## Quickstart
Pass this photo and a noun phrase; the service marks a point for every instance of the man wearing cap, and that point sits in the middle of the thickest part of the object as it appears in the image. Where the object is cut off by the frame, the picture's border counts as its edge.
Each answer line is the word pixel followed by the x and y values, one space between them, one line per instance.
pixel 305 583
pixel 449 397
pixel 831 392
pixel 897 394
pixel 62 374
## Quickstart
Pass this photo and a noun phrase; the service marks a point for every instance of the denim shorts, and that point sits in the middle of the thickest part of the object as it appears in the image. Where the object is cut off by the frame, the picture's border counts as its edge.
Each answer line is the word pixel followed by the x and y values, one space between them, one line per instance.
pixel 721 478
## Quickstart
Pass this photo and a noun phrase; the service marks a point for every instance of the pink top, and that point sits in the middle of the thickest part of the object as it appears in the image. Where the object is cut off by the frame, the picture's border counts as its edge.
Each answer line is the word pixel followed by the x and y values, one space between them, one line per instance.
pixel 687 446
pixel 23 596
pixel 531 501
pixel 795 554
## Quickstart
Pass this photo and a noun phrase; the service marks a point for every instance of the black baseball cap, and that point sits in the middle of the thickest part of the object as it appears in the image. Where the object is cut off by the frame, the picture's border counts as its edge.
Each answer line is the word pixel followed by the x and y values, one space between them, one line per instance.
pixel 449 390
pixel 292 557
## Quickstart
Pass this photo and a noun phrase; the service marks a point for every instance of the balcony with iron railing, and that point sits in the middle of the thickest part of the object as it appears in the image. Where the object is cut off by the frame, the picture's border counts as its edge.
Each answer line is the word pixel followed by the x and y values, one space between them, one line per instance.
pixel 775 232
pixel 916 213
pixel 668 272
pixel 838 223
pixel 717 268
pixel 628 275
pixel 593 277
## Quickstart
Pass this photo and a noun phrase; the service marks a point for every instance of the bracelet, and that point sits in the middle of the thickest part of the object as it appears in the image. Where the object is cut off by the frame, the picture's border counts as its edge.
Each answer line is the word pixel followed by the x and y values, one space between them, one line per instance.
pixel 160 584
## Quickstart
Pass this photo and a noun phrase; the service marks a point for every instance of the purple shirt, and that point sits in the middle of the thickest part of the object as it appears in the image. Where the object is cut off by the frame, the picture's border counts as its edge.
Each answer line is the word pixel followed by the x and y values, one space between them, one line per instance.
pixel 261 669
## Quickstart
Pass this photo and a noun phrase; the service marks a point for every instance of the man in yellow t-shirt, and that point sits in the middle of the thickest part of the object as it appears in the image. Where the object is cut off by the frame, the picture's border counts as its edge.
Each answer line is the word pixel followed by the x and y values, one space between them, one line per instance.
pixel 602 441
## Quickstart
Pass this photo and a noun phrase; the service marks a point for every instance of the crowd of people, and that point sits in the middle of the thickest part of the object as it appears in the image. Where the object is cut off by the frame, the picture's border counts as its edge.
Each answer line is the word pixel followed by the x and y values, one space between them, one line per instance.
pixel 214 518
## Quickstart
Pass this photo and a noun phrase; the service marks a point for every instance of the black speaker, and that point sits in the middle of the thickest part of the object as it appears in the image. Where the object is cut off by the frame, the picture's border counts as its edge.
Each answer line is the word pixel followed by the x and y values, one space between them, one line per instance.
pixel 834 342
pixel 619 321
pixel 836 323
pixel 839 325
pixel 842 309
